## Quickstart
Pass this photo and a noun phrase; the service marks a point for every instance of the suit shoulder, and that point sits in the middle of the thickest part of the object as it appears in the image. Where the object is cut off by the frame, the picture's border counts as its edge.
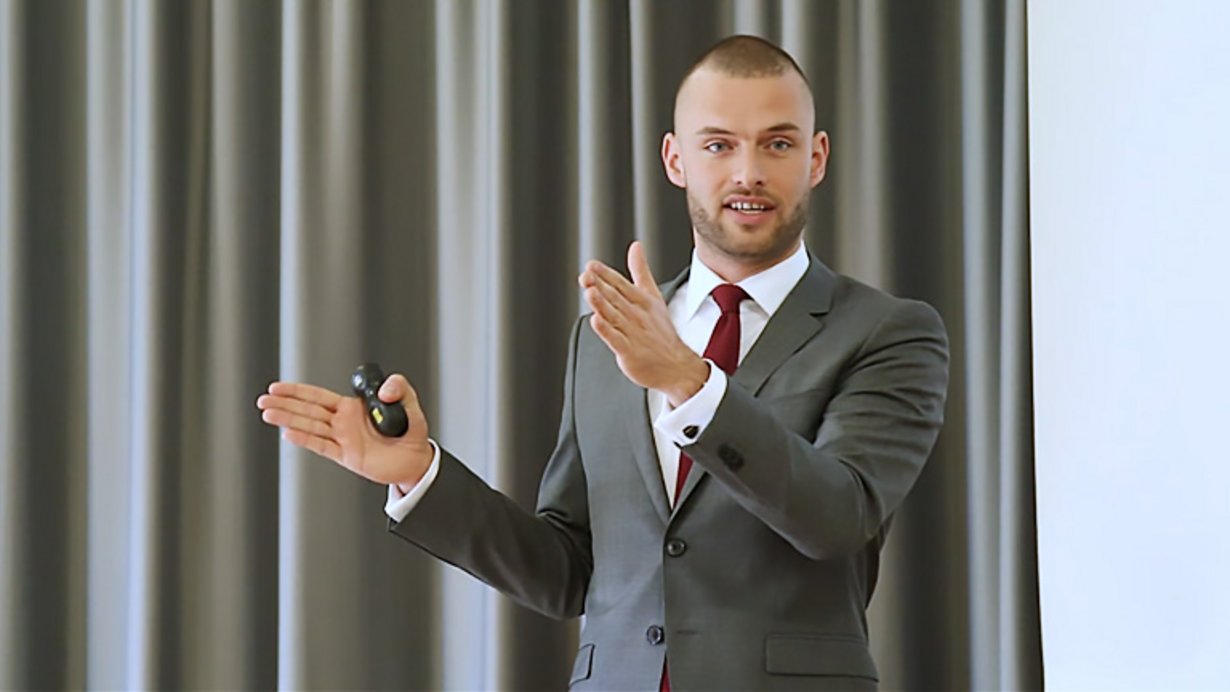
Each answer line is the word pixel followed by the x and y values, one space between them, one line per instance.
pixel 877 307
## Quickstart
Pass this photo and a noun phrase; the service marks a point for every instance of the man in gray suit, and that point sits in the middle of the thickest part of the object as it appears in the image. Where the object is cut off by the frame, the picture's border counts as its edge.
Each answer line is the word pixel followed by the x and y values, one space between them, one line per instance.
pixel 733 442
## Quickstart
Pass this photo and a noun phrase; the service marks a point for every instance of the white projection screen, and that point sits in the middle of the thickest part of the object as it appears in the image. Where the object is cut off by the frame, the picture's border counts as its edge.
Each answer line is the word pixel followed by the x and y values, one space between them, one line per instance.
pixel 1129 129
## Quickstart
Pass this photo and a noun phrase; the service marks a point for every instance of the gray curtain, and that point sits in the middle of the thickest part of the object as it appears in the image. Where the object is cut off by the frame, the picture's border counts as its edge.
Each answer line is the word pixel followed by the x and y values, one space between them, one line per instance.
pixel 199 197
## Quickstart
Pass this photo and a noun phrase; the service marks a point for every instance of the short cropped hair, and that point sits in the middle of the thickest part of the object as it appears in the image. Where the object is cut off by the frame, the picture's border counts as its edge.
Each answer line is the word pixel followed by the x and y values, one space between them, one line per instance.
pixel 745 56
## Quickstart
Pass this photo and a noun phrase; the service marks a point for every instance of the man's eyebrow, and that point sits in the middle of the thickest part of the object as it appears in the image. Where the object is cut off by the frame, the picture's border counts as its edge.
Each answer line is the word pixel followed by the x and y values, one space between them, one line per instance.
pixel 784 127
pixel 780 127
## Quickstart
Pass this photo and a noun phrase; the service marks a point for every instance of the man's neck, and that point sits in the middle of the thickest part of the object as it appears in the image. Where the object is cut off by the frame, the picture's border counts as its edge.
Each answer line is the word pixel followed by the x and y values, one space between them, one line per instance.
pixel 735 269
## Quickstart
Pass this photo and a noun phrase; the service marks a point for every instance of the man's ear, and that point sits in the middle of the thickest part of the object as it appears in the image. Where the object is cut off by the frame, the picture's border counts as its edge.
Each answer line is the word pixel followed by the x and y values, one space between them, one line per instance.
pixel 672 161
pixel 819 156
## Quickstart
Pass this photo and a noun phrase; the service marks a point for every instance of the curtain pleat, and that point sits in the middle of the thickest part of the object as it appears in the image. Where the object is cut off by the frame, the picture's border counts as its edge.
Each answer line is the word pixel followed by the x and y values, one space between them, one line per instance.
pixel 43 359
pixel 1020 625
pixel 200 197
pixel 108 384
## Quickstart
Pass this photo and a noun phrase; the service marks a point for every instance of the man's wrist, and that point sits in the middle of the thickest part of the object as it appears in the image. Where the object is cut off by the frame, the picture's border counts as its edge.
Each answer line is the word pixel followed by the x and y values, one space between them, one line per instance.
pixel 689 383
pixel 406 485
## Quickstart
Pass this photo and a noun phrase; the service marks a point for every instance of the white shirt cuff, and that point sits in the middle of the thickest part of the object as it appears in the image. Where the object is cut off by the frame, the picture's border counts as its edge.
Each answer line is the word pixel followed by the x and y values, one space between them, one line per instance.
pixel 685 424
pixel 398 505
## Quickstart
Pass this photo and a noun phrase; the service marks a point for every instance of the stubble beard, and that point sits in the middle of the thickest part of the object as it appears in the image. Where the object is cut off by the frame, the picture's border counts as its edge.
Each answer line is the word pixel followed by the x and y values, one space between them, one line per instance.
pixel 780 241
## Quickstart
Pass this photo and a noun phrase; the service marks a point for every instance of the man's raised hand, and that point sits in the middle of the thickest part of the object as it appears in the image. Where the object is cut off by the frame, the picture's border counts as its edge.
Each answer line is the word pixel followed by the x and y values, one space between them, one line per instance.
pixel 632 319
pixel 336 427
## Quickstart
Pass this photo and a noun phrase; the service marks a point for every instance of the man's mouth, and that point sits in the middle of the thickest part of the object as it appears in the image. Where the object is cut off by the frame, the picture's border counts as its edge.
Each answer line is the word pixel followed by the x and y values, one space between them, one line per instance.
pixel 749 205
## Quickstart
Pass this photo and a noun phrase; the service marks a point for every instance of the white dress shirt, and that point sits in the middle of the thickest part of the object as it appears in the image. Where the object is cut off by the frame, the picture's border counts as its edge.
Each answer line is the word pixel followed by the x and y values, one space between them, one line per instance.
pixel 694 313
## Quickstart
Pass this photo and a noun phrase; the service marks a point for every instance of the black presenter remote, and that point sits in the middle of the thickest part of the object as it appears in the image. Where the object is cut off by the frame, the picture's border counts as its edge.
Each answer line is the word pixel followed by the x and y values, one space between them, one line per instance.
pixel 388 419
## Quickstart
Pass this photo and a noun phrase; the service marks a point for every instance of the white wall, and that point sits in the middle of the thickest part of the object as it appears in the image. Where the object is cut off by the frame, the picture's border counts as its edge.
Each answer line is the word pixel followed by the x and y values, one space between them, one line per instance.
pixel 1130 205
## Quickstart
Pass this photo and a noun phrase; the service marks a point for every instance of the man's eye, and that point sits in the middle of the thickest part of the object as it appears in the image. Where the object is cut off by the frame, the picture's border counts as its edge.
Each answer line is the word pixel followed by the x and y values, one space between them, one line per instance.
pixel 716 147
pixel 780 145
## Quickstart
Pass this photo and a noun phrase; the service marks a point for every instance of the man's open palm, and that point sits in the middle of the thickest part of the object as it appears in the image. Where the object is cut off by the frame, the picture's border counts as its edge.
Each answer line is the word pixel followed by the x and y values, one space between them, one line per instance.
pixel 336 427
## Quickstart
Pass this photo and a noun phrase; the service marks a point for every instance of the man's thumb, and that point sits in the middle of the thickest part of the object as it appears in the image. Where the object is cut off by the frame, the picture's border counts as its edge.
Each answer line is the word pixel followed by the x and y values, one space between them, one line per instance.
pixel 393 389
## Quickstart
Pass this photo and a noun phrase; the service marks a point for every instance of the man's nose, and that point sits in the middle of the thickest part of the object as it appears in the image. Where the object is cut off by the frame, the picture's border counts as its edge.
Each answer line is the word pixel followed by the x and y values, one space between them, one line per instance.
pixel 748 171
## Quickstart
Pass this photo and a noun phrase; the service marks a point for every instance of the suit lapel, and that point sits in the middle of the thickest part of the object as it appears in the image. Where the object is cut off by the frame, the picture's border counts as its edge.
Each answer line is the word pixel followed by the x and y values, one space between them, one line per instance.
pixel 796 321
pixel 794 324
pixel 640 435
pixel 635 405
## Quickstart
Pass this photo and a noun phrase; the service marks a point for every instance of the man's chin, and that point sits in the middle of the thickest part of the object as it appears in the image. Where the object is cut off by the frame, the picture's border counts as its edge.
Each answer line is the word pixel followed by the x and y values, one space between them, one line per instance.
pixel 747 223
pixel 750 249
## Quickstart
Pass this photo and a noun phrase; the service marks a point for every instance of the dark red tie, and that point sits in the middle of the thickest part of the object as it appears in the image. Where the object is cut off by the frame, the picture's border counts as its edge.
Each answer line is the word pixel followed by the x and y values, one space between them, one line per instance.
pixel 723 349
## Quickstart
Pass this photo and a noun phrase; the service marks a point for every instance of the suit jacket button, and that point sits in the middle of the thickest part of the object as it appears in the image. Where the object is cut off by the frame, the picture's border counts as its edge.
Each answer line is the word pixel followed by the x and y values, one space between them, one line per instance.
pixel 730 456
pixel 691 431
pixel 656 635
pixel 676 547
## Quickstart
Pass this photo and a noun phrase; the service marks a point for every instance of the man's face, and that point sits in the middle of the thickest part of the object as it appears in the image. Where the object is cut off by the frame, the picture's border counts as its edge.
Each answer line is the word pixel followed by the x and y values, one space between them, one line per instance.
pixel 745 151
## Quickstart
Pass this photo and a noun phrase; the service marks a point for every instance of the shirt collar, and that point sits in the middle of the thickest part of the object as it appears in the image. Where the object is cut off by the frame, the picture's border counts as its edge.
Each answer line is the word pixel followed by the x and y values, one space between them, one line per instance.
pixel 768 288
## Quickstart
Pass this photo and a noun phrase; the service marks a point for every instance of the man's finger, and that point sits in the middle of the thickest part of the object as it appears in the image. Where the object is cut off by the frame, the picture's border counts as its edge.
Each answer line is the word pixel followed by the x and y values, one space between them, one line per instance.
pixel 601 304
pixel 605 274
pixel 612 337
pixel 638 267
pixel 395 388
pixel 618 301
pixel 304 408
pixel 286 419
pixel 306 392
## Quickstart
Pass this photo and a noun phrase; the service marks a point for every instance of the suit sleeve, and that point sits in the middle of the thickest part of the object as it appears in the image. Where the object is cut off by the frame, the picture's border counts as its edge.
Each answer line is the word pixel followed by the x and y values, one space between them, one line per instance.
pixel 830 497
pixel 543 559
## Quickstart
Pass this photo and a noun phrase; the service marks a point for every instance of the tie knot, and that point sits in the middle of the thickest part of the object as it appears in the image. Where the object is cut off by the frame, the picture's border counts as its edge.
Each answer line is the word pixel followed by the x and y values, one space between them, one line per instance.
pixel 728 297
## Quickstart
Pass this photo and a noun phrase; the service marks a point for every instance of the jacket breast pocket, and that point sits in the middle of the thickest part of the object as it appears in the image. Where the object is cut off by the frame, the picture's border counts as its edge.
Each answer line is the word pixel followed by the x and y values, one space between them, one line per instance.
pixel 796 654
pixel 582 665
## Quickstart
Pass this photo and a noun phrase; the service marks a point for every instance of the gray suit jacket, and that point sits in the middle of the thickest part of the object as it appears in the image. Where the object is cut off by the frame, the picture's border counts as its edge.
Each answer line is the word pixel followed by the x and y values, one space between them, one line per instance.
pixel 760 576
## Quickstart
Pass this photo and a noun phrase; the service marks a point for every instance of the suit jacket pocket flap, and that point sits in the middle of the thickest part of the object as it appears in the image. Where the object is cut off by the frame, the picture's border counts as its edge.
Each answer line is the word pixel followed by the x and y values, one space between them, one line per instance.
pixel 818 655
pixel 582 666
